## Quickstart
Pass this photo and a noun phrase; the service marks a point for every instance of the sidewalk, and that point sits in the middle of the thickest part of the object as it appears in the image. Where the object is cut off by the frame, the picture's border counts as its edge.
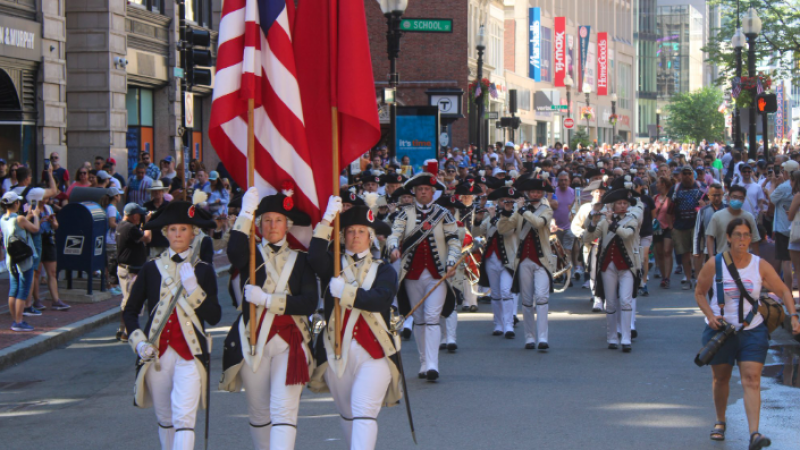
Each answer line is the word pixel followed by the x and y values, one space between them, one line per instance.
pixel 54 328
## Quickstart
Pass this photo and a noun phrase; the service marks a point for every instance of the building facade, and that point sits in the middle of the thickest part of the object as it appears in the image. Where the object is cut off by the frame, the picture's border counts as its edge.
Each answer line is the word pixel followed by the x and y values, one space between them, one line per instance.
pixel 679 54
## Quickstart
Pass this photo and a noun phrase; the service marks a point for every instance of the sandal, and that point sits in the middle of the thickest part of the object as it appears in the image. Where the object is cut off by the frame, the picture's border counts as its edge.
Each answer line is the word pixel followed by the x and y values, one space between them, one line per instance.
pixel 759 441
pixel 718 434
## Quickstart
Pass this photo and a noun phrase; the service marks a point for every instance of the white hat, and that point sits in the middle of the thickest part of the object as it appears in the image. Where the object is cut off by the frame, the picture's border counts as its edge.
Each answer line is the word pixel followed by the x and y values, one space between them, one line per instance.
pixel 158 186
pixel 103 175
pixel 10 197
pixel 790 166
pixel 509 144
pixel 35 195
pixel 112 191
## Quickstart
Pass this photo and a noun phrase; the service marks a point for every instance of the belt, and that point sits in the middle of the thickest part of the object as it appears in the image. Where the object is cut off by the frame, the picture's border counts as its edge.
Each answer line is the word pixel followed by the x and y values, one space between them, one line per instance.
pixel 130 269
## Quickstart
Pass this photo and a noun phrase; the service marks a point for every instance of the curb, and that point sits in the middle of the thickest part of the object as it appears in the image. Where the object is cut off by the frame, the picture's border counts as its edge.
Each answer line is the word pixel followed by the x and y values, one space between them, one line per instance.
pixel 43 343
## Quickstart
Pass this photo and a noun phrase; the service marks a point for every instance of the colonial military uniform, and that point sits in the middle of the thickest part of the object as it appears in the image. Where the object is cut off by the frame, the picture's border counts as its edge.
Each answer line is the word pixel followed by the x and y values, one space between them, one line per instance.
pixel 366 377
pixel 497 264
pixel 467 275
pixel 535 263
pixel 578 227
pixel 400 197
pixel 460 282
pixel 173 349
pixel 617 267
pixel 274 376
pixel 427 236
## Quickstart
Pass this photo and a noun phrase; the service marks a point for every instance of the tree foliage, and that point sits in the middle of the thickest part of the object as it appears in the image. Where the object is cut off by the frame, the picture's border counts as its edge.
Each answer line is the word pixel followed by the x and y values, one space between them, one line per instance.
pixel 693 116
pixel 775 45
pixel 580 137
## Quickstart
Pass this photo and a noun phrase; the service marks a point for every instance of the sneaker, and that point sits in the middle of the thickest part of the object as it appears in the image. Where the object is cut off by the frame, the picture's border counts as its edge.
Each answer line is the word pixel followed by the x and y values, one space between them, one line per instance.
pixel 586 285
pixel 684 280
pixel 31 311
pixel 577 275
pixel 644 291
pixel 665 283
pixel 58 305
pixel 37 304
pixel 115 291
pixel 22 326
pixel 679 270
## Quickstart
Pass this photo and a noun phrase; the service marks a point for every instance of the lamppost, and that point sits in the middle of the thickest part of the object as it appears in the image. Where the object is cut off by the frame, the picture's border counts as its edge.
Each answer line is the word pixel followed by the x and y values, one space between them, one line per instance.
pixel 658 125
pixel 614 124
pixel 568 85
pixel 587 89
pixel 393 10
pixel 752 26
pixel 479 99
pixel 738 42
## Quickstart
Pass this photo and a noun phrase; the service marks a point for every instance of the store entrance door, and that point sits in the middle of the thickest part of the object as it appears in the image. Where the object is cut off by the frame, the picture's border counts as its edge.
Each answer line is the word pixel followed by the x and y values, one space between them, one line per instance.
pixel 17 135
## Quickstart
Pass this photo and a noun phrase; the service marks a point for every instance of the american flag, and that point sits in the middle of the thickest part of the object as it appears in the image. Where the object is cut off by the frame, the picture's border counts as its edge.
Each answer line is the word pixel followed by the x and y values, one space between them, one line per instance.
pixel 492 90
pixel 759 86
pixel 736 87
pixel 478 90
pixel 256 60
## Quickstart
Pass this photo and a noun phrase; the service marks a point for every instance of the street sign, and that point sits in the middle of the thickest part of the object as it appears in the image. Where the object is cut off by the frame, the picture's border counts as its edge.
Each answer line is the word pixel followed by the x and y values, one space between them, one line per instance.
pixel 426 25
pixel 569 123
pixel 492 115
pixel 559 107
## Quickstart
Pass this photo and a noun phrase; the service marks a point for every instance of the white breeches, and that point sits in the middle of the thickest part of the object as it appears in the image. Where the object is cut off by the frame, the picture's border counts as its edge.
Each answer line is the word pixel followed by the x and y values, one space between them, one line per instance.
pixel 359 394
pixel 503 305
pixel 618 280
pixel 534 293
pixel 175 390
pixel 272 405
pixel 470 298
pixel 427 331
pixel 450 325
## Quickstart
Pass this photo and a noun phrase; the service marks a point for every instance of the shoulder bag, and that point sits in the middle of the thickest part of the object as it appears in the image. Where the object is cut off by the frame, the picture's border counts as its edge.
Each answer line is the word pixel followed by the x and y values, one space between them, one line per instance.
pixel 770 310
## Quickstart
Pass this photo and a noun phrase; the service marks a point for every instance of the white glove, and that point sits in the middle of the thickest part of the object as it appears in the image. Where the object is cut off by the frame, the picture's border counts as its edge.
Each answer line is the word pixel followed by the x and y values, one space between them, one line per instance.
pixel 145 350
pixel 336 287
pixel 188 279
pixel 250 203
pixel 257 296
pixel 334 207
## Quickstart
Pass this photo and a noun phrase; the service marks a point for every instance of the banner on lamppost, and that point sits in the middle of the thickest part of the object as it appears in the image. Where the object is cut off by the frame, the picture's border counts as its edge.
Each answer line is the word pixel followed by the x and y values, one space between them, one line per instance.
pixel 583 35
pixel 779 115
pixel 590 74
pixel 602 63
pixel 560 42
pixel 535 44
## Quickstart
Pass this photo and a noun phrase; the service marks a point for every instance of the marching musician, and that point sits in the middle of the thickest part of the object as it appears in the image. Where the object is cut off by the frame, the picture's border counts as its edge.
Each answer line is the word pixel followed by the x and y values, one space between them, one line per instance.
pixel 285 294
pixel 425 237
pixel 579 223
pixel 460 282
pixel 465 193
pixel 400 198
pixel 617 263
pixel 497 265
pixel 534 262
pixel 173 350
pixel 366 377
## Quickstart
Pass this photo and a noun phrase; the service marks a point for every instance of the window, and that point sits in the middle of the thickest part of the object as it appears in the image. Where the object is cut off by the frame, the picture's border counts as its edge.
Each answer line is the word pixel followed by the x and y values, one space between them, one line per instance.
pixel 547 54
pixel 523 97
pixel 624 85
pixel 199 12
pixel 139 138
pixel 156 6
pixel 496 45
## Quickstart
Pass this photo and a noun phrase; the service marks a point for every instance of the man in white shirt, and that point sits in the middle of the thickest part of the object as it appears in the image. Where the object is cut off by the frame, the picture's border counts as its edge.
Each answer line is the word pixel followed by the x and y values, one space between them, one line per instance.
pixel 755 199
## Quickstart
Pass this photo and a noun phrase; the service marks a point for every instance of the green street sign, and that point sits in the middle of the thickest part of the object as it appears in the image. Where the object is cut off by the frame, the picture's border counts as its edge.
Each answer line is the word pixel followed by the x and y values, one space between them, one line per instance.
pixel 426 25
pixel 177 72
pixel 559 107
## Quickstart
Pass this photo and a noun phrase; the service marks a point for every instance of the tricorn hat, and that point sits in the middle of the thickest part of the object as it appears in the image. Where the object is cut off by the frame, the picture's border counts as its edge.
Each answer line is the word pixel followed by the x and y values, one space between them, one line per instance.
pixel 467 188
pixel 283 204
pixel 533 184
pixel 428 178
pixel 618 194
pixel 399 192
pixel 367 176
pixel 362 215
pixel 490 182
pixel 180 212
pixel 504 192
pixel 449 201
pixel 350 197
pixel 393 177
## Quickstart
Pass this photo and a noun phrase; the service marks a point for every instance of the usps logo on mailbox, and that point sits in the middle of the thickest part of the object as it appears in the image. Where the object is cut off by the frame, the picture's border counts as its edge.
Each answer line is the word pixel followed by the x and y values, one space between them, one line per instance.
pixel 73 245
pixel 98 246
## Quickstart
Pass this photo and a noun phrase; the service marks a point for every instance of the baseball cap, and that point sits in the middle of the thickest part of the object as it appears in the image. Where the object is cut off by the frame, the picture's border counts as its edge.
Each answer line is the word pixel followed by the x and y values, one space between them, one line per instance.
pixel 10 197
pixel 168 159
pixel 744 167
pixel 2 161
pixel 509 144
pixel 134 208
pixel 213 175
pixel 111 161
pixel 112 191
pixel 790 166
pixel 102 174
pixel 687 168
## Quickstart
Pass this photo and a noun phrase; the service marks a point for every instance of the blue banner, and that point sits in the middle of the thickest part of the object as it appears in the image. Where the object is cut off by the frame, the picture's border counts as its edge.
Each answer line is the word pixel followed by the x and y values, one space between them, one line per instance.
pixel 779 115
pixel 535 44
pixel 583 34
pixel 417 138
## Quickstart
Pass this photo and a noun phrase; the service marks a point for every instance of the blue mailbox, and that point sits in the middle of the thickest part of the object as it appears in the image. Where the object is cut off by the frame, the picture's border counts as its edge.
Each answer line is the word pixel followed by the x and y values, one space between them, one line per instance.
pixel 80 241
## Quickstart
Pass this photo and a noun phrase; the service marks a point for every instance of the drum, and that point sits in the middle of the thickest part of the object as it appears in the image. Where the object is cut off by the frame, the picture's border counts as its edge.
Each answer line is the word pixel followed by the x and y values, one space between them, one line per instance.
pixel 563 273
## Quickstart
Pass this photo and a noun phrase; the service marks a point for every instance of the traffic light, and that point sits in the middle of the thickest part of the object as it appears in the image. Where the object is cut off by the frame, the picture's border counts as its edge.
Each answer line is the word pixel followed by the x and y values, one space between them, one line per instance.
pixel 767 103
pixel 510 122
pixel 198 57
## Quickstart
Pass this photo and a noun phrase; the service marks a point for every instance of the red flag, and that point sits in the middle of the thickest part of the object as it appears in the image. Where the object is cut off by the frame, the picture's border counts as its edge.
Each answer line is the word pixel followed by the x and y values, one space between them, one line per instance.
pixel 335 72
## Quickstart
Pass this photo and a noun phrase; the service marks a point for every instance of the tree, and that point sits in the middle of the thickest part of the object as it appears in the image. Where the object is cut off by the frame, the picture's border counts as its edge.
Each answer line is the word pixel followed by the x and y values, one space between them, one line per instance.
pixel 693 116
pixel 776 45
pixel 580 137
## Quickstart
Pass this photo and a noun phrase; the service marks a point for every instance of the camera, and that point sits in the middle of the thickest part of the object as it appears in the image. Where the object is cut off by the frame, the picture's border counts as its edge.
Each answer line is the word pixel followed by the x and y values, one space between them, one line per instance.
pixel 706 354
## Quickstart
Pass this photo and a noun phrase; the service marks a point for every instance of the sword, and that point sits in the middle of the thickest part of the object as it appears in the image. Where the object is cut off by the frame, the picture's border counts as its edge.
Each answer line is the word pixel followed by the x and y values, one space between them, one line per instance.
pixel 397 326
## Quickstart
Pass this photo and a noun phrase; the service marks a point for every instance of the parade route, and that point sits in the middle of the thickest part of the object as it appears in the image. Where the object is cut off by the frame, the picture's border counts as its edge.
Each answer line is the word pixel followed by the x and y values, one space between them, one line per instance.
pixel 492 394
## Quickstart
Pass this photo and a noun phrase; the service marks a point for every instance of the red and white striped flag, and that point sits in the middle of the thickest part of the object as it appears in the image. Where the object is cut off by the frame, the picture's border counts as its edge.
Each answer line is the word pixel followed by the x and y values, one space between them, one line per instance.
pixel 255 60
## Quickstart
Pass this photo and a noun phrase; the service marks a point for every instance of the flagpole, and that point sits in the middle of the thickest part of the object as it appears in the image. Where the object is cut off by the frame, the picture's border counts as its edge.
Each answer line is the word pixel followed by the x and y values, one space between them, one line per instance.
pixel 251 161
pixel 337 259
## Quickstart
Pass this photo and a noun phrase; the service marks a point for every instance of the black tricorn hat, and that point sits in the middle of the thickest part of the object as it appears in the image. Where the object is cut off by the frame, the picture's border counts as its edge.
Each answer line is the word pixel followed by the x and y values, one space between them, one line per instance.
pixel 467 188
pixel 533 184
pixel 180 212
pixel 623 183
pixel 399 192
pixel 393 177
pixel 424 179
pixel 618 194
pixel 368 176
pixel 504 192
pixel 449 201
pixel 282 204
pixel 362 215
pixel 490 182
pixel 594 172
pixel 350 197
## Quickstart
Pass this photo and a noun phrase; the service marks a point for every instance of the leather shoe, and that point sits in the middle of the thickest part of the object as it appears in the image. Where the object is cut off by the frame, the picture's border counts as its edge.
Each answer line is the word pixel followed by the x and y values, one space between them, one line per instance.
pixel 497 333
pixel 442 346
pixel 510 335
pixel 432 375
pixel 626 348
pixel 530 346
pixel 464 308
pixel 634 334
pixel 613 346
pixel 452 347
pixel 543 346
pixel 406 334
pixel 422 375
pixel 473 308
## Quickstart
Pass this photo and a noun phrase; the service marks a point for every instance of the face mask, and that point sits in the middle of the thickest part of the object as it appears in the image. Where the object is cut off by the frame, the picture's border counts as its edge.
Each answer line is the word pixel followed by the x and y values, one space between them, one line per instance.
pixel 576 185
pixel 736 204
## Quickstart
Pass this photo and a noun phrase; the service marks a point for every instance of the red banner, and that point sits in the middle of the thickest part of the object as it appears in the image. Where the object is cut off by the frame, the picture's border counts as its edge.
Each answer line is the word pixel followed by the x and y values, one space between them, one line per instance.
pixel 560 43
pixel 602 64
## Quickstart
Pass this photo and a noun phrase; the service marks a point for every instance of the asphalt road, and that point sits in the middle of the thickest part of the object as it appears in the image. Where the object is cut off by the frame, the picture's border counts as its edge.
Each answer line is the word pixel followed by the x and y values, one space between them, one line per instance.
pixel 492 393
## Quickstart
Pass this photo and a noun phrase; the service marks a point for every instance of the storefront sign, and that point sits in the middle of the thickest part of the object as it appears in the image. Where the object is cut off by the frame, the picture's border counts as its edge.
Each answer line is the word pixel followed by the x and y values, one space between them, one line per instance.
pixel 535 47
pixel 602 63
pixel 560 42
pixel 417 133
pixel 20 38
pixel 583 36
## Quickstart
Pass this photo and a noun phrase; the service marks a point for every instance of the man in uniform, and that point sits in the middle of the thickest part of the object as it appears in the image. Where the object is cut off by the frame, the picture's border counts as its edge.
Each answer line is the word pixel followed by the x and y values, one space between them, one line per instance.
pixel 534 264
pixel 425 237
pixel 285 295
pixel 173 349
pixel 460 282
pixel 596 189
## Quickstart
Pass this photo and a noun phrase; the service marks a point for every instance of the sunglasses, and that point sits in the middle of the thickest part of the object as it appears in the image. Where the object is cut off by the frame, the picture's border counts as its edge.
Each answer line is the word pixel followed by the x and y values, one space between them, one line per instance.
pixel 82 173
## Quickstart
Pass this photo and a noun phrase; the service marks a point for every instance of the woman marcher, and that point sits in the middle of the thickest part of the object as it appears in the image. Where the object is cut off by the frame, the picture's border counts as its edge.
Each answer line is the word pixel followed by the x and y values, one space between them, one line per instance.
pixel 21 273
pixel 109 202
pixel 173 357
pixel 366 376
pixel 749 345
pixel 285 295
pixel 794 247
pixel 81 180
pixel 662 230
pixel 219 197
